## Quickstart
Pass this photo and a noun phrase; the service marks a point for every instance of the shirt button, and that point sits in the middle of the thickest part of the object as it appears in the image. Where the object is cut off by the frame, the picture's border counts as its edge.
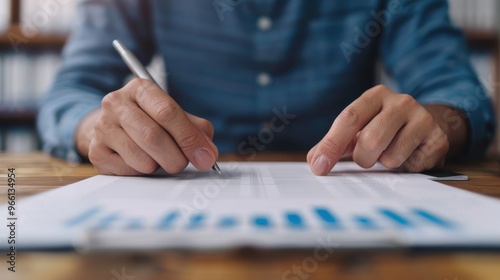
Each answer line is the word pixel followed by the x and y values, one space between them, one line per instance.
pixel 263 79
pixel 264 23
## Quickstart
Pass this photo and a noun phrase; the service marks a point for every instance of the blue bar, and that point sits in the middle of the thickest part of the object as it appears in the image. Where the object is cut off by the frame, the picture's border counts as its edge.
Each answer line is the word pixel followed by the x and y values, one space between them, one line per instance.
pixel 134 224
pixel 365 223
pixel 228 222
pixel 327 217
pixel 433 218
pixel 399 220
pixel 294 220
pixel 82 217
pixel 167 221
pixel 262 222
pixel 196 221
pixel 107 221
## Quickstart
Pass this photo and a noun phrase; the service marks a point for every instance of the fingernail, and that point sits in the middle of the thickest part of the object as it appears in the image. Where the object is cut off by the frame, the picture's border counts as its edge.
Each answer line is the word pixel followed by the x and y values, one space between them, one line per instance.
pixel 321 165
pixel 203 159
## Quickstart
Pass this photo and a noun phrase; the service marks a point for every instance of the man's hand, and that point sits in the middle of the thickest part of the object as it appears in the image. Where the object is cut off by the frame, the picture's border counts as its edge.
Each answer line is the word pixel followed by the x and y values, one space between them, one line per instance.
pixel 140 128
pixel 393 129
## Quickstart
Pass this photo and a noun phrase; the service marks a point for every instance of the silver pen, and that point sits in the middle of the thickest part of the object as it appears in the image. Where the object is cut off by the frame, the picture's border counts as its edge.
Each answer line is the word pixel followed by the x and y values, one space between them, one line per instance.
pixel 140 71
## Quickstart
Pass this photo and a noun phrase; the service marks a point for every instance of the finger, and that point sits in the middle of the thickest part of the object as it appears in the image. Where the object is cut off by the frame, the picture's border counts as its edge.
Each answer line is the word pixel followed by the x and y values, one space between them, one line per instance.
pixel 202 124
pixel 130 152
pixel 406 141
pixel 168 114
pixel 350 148
pixel 377 135
pixel 348 151
pixel 151 138
pixel 350 121
pixel 429 155
pixel 107 162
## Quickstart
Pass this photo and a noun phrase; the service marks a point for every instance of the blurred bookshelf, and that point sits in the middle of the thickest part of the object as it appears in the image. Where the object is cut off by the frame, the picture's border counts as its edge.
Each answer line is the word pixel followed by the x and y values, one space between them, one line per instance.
pixel 32 35
pixel 33 32
pixel 480 22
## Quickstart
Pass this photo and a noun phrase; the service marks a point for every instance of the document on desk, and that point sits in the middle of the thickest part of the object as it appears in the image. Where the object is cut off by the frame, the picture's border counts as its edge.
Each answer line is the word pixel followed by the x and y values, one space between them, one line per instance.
pixel 267 205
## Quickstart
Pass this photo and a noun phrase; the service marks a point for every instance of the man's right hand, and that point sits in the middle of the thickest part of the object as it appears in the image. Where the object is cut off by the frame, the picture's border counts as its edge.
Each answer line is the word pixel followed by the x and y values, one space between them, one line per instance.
pixel 140 128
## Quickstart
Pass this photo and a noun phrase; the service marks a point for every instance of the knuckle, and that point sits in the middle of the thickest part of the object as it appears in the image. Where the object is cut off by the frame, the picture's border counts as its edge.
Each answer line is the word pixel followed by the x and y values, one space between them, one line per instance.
pixel 420 162
pixel 166 111
pixel 376 91
pixel 148 166
pixel 370 141
pixel 190 141
pixel 380 88
pixel 207 127
pixel 426 119
pixel 95 157
pixel 438 144
pixel 111 100
pixel 413 168
pixel 443 145
pixel 142 87
pixel 390 160
pixel 125 170
pixel 332 146
pixel 135 83
pixel 129 147
pixel 406 100
pixel 350 117
pixel 152 135
pixel 363 159
pixel 414 164
pixel 102 125
pixel 177 166
pixel 103 171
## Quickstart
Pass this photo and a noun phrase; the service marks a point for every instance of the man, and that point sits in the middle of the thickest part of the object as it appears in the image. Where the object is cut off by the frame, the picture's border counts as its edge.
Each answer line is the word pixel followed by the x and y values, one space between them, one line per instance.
pixel 269 75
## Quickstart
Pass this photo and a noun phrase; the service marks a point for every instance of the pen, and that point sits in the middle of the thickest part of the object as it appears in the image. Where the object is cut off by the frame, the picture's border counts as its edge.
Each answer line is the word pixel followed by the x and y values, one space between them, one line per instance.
pixel 139 71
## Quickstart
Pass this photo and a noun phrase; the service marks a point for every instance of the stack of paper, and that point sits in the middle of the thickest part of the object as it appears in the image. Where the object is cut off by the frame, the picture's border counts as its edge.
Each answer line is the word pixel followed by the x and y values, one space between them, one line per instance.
pixel 269 205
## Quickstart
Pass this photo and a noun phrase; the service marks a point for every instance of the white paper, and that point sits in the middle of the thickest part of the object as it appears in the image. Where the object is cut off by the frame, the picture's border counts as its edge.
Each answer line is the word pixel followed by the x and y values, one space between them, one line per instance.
pixel 269 205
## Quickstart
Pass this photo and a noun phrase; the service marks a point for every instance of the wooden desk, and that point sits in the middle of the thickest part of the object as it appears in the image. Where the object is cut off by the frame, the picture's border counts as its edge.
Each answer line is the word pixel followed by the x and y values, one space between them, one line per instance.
pixel 38 172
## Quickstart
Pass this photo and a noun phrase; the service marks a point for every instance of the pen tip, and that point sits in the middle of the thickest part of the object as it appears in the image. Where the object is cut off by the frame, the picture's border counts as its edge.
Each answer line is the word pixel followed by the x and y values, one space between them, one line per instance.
pixel 216 168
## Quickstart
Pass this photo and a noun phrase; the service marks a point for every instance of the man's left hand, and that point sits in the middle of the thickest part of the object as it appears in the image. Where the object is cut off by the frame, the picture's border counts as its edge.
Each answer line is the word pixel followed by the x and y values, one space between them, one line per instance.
pixel 391 128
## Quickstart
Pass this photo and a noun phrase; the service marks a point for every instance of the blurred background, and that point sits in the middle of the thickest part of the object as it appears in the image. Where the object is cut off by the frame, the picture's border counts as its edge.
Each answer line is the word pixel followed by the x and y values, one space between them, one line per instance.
pixel 33 32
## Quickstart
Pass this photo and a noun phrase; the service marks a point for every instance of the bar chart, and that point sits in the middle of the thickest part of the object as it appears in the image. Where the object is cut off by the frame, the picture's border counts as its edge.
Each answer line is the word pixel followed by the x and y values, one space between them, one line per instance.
pixel 292 220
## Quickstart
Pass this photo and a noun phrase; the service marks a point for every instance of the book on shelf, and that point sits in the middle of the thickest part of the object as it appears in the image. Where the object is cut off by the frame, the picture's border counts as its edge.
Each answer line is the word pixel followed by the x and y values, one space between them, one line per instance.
pixel 483 61
pixel 474 14
pixel 19 139
pixel 25 77
pixel 47 17
pixel 4 15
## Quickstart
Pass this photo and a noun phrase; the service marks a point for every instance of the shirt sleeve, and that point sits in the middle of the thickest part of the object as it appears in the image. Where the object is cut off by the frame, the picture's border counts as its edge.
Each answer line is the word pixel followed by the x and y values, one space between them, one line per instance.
pixel 428 57
pixel 91 68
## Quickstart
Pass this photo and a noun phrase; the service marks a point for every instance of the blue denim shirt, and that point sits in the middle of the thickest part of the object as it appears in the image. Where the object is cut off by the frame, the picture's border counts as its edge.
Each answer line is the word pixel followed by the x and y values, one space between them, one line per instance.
pixel 269 74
